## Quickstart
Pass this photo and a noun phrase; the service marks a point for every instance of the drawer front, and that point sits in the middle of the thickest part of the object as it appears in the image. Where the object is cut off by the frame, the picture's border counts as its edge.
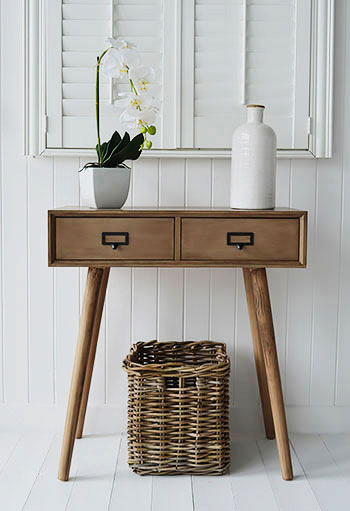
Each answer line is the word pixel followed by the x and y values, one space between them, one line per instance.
pixel 243 239
pixel 114 238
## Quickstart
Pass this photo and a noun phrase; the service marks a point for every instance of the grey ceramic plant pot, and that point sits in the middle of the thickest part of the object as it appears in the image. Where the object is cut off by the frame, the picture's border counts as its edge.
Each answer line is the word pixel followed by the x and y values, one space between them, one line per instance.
pixel 104 187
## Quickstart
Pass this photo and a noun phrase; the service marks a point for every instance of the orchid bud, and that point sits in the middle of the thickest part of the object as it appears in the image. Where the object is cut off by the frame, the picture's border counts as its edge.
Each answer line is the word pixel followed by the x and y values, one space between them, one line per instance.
pixel 148 144
pixel 152 130
pixel 143 129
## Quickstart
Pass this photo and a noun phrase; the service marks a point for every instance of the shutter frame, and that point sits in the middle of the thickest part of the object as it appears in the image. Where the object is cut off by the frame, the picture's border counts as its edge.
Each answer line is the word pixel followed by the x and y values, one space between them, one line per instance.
pixel 36 71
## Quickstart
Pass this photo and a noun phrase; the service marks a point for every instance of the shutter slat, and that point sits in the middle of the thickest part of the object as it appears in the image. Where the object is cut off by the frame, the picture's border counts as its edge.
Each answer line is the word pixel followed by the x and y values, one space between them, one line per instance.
pixel 150 28
pixel 216 61
pixel 84 91
pixel 86 107
pixel 279 13
pixel 204 90
pixel 271 3
pixel 207 43
pixel 80 75
pixel 137 3
pixel 77 59
pixel 268 43
pixel 268 28
pixel 84 27
pixel 86 2
pixel 91 43
pixel 85 12
pixel 143 12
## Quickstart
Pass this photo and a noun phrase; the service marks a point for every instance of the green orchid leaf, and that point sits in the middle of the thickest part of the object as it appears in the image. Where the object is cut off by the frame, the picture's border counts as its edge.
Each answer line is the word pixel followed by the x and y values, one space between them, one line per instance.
pixel 104 150
pixel 107 147
pixel 111 144
pixel 131 152
pixel 108 162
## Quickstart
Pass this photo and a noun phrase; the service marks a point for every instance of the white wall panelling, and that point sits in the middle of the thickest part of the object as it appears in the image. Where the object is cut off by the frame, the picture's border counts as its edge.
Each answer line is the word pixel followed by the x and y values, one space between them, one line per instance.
pixel 172 190
pixel 14 255
pixel 40 306
pixel 342 370
pixel 66 286
pixel 40 283
pixel 300 294
pixel 326 257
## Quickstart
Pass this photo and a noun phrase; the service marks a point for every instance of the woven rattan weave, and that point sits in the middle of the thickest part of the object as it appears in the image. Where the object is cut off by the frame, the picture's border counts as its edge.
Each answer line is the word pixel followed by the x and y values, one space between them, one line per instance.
pixel 178 407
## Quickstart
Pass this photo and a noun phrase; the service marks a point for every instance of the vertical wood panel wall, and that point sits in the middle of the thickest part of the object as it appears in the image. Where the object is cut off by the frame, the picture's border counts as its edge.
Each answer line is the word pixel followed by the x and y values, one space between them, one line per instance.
pixel 40 306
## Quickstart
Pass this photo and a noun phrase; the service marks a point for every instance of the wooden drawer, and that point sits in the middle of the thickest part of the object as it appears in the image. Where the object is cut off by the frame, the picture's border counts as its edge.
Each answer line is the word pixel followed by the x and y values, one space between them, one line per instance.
pixel 114 239
pixel 260 240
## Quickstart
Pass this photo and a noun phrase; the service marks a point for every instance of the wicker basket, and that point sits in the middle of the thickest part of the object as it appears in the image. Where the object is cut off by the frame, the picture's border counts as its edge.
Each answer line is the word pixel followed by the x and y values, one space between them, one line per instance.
pixel 178 408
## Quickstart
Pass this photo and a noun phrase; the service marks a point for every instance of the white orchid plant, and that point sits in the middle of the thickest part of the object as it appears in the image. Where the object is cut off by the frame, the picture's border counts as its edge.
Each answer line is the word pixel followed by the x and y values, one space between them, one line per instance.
pixel 120 60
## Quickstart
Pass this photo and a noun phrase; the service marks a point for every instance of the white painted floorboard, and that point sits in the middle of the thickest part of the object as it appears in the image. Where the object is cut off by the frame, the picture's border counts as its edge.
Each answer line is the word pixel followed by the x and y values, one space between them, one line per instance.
pixel 95 476
pixel 8 442
pixel 21 470
pixel 339 448
pixel 102 481
pixel 47 491
pixel 169 496
pixel 290 497
pixel 325 477
pixel 250 484
pixel 213 493
pixel 130 491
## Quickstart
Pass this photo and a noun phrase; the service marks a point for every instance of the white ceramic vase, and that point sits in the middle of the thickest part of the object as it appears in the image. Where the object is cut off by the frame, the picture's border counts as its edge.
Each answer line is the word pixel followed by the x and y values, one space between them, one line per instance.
pixel 104 187
pixel 253 165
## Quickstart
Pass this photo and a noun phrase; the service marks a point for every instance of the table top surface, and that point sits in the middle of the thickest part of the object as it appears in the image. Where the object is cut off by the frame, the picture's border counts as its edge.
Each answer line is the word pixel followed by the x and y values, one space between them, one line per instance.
pixel 215 211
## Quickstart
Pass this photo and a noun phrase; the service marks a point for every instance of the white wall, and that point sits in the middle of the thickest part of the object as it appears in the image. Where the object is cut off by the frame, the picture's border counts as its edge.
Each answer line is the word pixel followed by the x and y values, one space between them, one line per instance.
pixel 40 305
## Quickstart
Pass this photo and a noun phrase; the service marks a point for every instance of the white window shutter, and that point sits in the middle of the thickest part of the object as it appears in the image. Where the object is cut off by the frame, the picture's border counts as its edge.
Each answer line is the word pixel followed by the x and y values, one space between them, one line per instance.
pixel 79 29
pixel 277 72
pixel 212 57
pixel 258 50
pixel 217 76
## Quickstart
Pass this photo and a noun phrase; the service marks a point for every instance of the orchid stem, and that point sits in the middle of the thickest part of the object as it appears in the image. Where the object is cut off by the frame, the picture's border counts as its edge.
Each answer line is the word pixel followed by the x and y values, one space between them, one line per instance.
pixel 99 59
pixel 132 86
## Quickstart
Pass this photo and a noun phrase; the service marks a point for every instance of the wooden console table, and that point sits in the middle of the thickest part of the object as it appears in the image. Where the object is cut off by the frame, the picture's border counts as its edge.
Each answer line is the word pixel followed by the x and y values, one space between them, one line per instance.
pixel 252 240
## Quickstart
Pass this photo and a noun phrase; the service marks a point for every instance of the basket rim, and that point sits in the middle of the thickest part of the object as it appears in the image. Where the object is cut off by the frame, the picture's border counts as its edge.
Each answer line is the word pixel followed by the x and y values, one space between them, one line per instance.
pixel 222 359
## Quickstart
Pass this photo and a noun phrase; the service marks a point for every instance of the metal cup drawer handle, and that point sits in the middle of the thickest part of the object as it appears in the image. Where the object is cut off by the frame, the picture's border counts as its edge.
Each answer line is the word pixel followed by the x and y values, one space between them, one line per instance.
pixel 240 239
pixel 115 244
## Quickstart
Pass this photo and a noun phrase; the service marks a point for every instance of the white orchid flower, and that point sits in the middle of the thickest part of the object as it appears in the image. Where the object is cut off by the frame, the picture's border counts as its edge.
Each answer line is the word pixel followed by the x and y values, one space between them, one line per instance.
pixel 147 116
pixel 119 43
pixel 132 118
pixel 130 122
pixel 119 59
pixel 130 58
pixel 136 101
pixel 141 77
pixel 113 65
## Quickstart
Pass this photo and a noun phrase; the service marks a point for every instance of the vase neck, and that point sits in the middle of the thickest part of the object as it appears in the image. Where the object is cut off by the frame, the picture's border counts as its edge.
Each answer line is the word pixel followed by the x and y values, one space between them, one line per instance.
pixel 255 113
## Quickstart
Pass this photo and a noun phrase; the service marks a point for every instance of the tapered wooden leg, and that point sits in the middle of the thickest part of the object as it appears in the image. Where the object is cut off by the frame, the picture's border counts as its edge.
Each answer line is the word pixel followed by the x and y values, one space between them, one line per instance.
pixel 87 320
pixel 93 346
pixel 259 357
pixel 268 344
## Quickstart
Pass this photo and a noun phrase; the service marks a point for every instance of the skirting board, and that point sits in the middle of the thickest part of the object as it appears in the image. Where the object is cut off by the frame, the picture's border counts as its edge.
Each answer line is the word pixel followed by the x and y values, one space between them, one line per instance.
pixel 110 419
